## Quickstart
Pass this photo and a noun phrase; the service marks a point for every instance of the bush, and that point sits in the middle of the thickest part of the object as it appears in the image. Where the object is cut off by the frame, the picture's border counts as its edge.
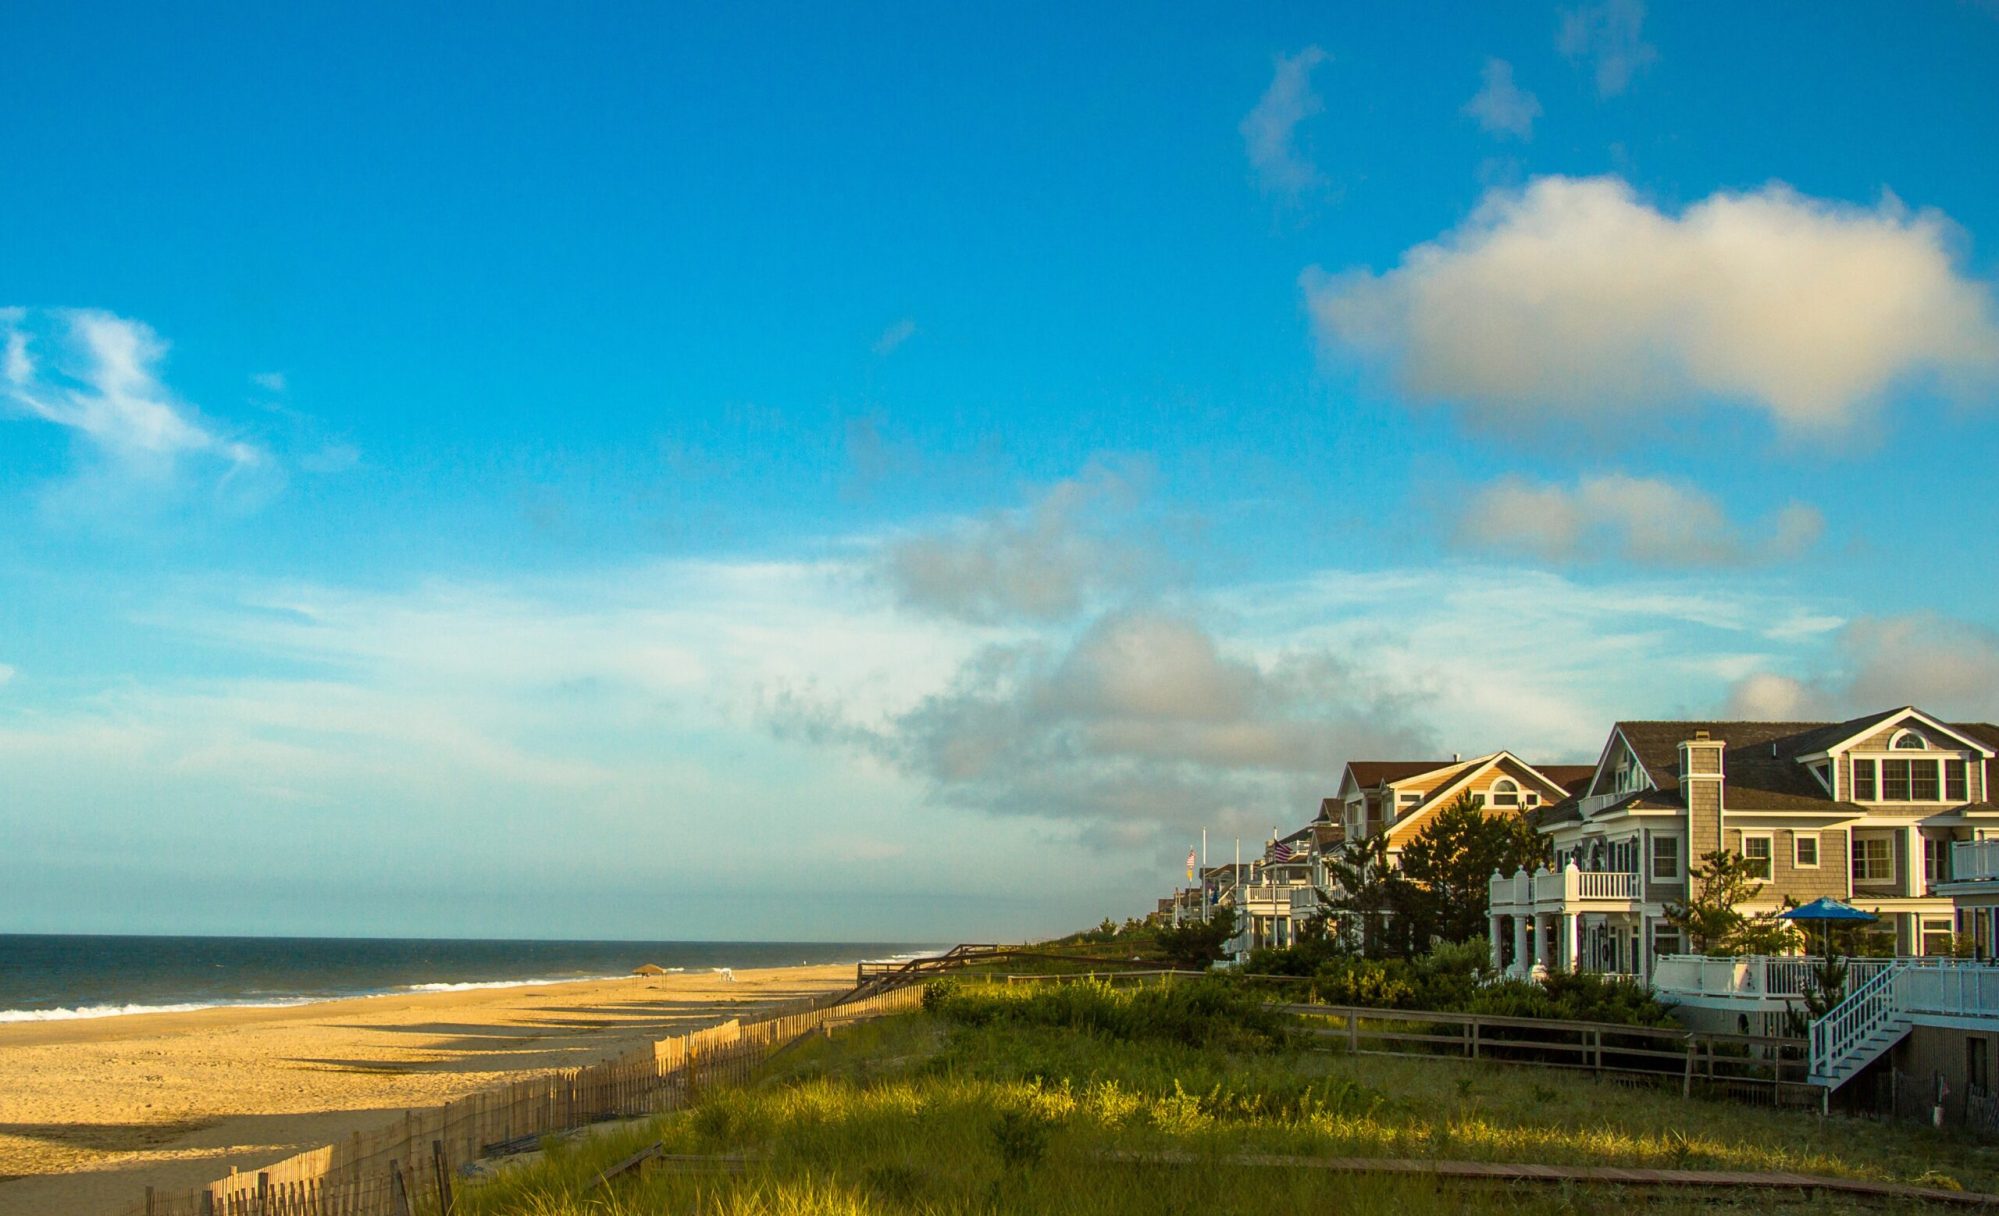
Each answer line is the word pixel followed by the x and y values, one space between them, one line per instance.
pixel 1458 978
pixel 1209 1013
pixel 1582 996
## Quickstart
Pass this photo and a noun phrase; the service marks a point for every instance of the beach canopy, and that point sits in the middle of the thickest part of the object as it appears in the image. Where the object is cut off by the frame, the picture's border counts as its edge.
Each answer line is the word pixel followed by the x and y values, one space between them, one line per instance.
pixel 1828 911
pixel 649 969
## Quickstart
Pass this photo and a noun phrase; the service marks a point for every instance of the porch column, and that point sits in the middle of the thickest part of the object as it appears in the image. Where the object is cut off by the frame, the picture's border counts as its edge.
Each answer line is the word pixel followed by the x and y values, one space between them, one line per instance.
pixel 1539 956
pixel 1492 936
pixel 1572 937
pixel 1521 962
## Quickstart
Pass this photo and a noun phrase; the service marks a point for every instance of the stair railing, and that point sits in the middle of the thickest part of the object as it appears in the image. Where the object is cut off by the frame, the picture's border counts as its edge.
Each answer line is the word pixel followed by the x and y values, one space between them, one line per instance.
pixel 1846 1025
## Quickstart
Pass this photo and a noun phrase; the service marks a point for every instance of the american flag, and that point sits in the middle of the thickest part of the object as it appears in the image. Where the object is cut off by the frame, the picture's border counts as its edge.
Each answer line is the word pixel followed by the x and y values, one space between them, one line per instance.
pixel 1279 851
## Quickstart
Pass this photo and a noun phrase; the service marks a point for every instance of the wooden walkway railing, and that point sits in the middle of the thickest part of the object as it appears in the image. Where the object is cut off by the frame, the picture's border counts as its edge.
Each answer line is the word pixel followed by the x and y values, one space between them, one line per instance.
pixel 1752 1067
pixel 873 977
pixel 407 1166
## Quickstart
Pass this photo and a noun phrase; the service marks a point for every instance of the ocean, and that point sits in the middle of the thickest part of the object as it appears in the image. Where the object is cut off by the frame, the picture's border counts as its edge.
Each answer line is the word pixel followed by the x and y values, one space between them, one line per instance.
pixel 45 978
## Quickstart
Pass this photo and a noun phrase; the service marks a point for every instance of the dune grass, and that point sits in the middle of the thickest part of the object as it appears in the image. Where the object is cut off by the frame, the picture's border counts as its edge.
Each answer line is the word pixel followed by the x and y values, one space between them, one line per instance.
pixel 1014 1107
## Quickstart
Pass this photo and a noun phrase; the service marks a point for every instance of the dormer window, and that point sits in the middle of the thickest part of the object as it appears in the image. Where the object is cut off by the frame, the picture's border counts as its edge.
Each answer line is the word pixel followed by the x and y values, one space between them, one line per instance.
pixel 1505 793
pixel 1908 741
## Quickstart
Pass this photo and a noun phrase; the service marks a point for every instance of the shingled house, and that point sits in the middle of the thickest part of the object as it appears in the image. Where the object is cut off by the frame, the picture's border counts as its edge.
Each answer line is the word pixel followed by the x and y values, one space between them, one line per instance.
pixel 1865 811
pixel 1397 797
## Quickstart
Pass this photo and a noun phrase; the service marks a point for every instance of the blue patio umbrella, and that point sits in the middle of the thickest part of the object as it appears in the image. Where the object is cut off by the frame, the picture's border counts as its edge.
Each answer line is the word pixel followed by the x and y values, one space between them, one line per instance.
pixel 1828 912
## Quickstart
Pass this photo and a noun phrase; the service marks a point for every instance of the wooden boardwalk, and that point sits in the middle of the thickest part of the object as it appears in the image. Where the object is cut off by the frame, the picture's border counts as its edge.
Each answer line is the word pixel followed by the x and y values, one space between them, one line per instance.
pixel 1608 1175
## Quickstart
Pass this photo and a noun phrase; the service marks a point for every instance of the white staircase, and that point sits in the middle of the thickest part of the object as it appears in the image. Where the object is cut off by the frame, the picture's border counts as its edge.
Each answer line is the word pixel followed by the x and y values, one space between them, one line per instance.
pixel 1858 1030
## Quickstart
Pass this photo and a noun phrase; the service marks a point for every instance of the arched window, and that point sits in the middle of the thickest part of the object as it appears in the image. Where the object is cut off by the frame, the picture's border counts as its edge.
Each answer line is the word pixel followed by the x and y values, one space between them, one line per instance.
pixel 1907 741
pixel 1505 793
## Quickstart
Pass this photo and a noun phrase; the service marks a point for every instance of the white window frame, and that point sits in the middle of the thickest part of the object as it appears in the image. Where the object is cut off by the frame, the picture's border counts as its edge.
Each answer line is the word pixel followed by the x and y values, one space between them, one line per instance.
pixel 1930 755
pixel 1505 786
pixel 1863 844
pixel 1895 742
pixel 1769 842
pixel 1818 850
pixel 1926 925
pixel 1652 862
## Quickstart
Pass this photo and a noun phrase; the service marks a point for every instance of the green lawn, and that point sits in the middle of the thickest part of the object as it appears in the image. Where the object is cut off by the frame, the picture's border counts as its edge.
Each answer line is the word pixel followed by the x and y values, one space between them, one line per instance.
pixel 917 1114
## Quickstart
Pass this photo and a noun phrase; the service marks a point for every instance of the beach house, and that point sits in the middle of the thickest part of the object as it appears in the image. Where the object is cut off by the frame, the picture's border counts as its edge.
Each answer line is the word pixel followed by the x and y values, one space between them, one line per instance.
pixel 1397 797
pixel 1866 811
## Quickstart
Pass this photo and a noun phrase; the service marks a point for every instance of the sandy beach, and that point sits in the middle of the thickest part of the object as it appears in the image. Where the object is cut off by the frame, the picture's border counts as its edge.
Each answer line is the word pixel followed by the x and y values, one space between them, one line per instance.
pixel 94 1111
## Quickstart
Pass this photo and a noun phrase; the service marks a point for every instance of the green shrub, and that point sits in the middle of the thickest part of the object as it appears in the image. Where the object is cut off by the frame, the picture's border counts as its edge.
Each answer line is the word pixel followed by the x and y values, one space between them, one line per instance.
pixel 1207 1013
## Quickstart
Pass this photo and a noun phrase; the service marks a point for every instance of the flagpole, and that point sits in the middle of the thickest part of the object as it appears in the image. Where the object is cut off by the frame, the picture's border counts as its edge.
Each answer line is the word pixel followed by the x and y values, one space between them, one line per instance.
pixel 1204 876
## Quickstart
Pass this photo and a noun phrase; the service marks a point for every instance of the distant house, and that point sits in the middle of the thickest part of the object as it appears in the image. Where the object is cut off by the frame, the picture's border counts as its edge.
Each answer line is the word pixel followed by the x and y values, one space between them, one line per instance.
pixel 1397 797
pixel 1864 810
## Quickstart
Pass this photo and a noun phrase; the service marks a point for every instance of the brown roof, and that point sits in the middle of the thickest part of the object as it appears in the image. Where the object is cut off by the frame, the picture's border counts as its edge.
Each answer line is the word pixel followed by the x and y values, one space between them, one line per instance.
pixel 1574 778
pixel 1761 759
pixel 1370 773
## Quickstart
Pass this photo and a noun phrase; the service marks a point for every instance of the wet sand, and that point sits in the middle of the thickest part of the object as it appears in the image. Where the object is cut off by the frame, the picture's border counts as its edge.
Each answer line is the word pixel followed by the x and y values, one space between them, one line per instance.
pixel 95 1110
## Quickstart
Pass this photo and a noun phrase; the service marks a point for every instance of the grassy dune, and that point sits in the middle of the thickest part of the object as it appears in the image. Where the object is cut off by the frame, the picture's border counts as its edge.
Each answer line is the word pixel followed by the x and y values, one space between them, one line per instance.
pixel 999 1102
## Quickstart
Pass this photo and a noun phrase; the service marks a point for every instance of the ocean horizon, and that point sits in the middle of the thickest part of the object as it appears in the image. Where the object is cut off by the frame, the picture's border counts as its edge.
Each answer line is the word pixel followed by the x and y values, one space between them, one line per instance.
pixel 56 977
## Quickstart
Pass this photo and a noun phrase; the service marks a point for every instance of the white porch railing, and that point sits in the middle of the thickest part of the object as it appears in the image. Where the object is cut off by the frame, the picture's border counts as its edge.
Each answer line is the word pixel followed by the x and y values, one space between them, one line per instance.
pixel 1974 860
pixel 1755 977
pixel 1553 890
pixel 1591 884
pixel 1966 990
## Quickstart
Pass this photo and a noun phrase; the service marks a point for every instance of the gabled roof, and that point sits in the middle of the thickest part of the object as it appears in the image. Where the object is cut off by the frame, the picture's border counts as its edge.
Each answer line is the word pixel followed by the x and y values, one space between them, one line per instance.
pixel 1448 789
pixel 1762 764
pixel 1859 728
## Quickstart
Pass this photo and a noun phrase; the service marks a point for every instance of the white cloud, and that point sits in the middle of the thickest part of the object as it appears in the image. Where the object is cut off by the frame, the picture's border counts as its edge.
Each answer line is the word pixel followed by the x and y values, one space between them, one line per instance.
pixel 1616 517
pixel 99 378
pixel 1572 300
pixel 894 336
pixel 1945 666
pixel 1610 35
pixel 6 673
pixel 1143 724
pixel 1502 107
pixel 580 732
pixel 273 382
pixel 1047 562
pixel 1270 131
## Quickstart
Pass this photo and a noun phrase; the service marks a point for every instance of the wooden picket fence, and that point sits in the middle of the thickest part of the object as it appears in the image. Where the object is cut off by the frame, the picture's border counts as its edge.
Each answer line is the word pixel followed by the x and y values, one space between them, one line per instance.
pixel 407 1167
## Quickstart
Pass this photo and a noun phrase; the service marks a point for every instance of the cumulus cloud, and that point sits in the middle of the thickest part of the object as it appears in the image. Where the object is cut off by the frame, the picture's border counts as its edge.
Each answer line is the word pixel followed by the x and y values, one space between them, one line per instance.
pixel 1574 300
pixel 1270 131
pixel 1616 517
pixel 1046 562
pixel 1945 666
pixel 1609 36
pixel 97 374
pixel 1144 722
pixel 1502 107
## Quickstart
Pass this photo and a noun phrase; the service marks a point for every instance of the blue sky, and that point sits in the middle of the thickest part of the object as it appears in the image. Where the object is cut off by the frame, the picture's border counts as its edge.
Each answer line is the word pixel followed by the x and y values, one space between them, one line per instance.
pixel 747 472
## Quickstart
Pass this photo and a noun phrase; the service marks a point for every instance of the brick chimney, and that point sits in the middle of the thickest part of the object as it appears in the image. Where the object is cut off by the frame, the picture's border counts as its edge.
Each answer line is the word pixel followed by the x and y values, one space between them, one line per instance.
pixel 1702 778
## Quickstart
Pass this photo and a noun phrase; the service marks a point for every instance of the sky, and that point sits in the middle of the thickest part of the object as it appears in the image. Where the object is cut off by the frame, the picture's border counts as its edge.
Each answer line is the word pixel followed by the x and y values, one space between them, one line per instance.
pixel 743 472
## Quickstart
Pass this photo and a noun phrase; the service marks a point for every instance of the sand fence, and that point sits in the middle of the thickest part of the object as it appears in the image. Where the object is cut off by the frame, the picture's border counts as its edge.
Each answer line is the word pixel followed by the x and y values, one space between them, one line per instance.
pixel 409 1165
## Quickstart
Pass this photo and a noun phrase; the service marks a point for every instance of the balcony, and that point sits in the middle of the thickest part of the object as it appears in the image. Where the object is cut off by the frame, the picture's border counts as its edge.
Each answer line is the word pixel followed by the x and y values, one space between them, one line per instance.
pixel 1567 890
pixel 1974 861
